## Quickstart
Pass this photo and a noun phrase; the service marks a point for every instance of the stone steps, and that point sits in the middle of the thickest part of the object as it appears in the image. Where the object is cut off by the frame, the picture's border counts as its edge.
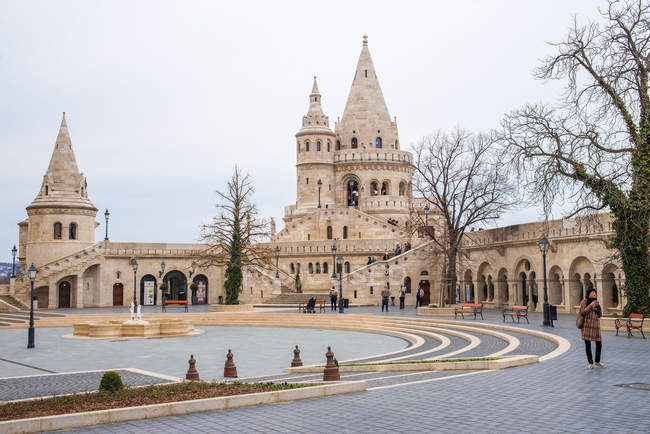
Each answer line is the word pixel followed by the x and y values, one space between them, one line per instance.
pixel 13 301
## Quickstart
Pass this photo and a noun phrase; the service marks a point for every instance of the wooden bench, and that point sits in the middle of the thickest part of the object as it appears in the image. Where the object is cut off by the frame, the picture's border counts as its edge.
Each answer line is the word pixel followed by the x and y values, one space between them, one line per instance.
pixel 635 321
pixel 174 303
pixel 476 309
pixel 320 304
pixel 516 311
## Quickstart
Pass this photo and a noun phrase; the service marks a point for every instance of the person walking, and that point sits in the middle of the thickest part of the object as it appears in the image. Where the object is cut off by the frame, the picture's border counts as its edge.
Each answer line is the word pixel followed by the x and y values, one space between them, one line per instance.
pixel 385 295
pixel 402 296
pixel 333 298
pixel 591 312
pixel 418 298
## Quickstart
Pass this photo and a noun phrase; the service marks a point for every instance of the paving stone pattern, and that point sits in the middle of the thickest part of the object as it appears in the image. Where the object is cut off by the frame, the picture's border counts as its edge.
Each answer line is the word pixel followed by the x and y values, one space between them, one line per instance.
pixel 59 384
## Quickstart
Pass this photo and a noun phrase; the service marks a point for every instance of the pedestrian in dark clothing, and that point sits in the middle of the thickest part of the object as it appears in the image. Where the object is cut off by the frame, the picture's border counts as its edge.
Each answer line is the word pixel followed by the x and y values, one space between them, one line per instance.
pixel 333 298
pixel 385 295
pixel 591 312
pixel 402 296
pixel 418 297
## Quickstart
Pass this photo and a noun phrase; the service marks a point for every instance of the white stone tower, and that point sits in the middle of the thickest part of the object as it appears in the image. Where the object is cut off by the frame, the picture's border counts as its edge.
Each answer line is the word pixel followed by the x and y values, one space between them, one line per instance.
pixel 61 219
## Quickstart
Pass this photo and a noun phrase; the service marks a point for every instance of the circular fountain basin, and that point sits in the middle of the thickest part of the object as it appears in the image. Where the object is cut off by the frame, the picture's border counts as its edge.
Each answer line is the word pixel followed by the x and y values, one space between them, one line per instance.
pixel 135 329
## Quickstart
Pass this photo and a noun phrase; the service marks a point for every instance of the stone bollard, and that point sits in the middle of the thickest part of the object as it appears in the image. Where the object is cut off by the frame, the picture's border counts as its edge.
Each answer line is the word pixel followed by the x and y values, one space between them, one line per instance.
pixel 229 370
pixel 192 373
pixel 331 372
pixel 296 358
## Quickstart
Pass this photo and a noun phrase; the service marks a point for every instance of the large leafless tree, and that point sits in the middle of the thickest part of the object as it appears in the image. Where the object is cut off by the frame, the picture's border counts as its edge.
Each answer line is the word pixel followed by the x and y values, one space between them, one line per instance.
pixel 461 180
pixel 594 144
pixel 233 237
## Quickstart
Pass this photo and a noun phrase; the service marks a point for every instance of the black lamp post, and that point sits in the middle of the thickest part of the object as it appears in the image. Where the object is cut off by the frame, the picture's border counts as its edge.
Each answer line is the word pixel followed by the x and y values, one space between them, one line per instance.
pixel 30 335
pixel 543 247
pixel 426 217
pixel 135 271
pixel 277 259
pixel 160 274
pixel 320 184
pixel 162 269
pixel 339 261
pixel 106 216
pixel 14 251
pixel 334 259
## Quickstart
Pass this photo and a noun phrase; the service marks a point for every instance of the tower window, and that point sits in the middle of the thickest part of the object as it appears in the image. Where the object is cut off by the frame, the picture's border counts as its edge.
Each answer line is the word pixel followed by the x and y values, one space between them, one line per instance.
pixel 292 268
pixel 373 188
pixel 47 190
pixel 318 146
pixel 325 267
pixel 307 179
pixel 328 146
pixel 345 232
pixel 72 231
pixel 58 228
pixel 378 142
pixel 307 146
pixel 317 267
pixel 338 145
pixel 366 73
pixel 329 232
pixel 311 268
pixel 355 143
pixel 347 267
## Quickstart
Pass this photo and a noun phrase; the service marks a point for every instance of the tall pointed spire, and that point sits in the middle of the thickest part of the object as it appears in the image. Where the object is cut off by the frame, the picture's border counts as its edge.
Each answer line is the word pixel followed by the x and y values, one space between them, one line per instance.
pixel 366 116
pixel 315 118
pixel 63 183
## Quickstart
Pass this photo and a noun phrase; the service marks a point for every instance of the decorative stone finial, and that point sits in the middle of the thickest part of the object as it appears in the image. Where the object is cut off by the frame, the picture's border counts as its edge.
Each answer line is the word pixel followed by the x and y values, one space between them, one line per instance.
pixel 331 372
pixel 192 373
pixel 63 115
pixel 296 358
pixel 365 39
pixel 229 369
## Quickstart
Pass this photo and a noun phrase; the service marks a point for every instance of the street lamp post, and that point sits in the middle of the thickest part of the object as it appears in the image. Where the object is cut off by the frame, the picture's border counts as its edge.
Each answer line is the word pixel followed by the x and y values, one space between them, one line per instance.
pixel 277 260
pixel 106 216
pixel 320 184
pixel 334 259
pixel 426 218
pixel 339 261
pixel 543 247
pixel 135 271
pixel 14 251
pixel 160 274
pixel 30 334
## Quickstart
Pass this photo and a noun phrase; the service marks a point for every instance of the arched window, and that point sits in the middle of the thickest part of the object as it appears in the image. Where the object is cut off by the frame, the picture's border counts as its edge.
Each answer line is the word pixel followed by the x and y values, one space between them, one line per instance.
pixel 58 229
pixel 378 142
pixel 311 268
pixel 292 268
pixel 353 192
pixel 338 145
pixel 374 190
pixel 384 188
pixel 402 188
pixel 307 146
pixel 329 232
pixel 318 146
pixel 298 268
pixel 317 267
pixel 298 144
pixel 72 231
pixel 407 284
pixel 355 144
pixel 325 267
pixel 47 190
pixel 328 146
pixel 347 267
pixel 345 232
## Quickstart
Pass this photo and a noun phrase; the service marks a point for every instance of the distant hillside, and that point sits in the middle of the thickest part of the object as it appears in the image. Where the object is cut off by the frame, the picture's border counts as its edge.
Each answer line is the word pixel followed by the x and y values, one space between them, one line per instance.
pixel 5 269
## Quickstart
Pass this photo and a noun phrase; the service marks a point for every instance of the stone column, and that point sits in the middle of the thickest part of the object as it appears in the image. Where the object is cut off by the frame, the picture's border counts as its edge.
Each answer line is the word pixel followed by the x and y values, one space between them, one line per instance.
pixel 12 286
pixel 52 302
pixel 79 294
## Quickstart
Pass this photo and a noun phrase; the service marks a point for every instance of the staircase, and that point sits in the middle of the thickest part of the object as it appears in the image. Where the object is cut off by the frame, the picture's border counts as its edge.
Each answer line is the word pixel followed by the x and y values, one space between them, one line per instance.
pixel 13 302
pixel 22 317
pixel 294 299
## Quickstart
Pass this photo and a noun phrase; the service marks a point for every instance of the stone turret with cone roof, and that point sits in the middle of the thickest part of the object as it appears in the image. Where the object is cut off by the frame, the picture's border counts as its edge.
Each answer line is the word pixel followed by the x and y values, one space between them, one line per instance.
pixel 61 219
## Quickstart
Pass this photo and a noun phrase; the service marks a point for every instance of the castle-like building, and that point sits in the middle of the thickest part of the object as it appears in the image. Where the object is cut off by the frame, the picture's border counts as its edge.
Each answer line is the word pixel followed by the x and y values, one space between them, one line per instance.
pixel 354 199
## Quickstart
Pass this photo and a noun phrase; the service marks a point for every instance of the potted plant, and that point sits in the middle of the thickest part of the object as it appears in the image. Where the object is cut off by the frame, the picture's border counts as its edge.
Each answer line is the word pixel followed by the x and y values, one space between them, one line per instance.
pixel 298 283
pixel 193 288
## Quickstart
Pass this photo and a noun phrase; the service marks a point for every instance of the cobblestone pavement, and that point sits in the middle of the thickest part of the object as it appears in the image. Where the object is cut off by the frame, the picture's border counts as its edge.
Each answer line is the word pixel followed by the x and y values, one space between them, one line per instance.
pixel 59 384
pixel 558 395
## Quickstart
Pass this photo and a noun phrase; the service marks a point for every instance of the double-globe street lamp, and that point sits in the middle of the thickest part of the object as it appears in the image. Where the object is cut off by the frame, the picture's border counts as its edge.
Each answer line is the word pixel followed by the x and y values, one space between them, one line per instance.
pixel 334 259
pixel 543 247
pixel 14 251
pixel 339 261
pixel 135 271
pixel 426 218
pixel 277 259
pixel 320 184
pixel 106 216
pixel 30 334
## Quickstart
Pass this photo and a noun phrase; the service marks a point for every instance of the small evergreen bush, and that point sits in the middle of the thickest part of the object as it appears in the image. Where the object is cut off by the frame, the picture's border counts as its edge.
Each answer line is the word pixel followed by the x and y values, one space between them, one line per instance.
pixel 111 382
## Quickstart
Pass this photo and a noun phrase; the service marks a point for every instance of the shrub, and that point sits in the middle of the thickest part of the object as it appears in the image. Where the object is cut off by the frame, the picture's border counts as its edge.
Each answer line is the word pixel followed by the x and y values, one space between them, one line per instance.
pixel 433 305
pixel 111 382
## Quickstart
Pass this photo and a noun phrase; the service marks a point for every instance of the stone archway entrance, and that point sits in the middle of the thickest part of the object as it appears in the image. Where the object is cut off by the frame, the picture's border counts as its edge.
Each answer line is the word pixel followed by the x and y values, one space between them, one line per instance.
pixel 176 283
pixel 118 294
pixel 64 294
pixel 426 289
pixel 353 192
pixel 201 294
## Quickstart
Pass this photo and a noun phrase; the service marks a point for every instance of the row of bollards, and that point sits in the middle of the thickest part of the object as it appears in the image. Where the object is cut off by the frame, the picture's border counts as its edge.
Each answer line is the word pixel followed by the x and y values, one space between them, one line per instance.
pixel 331 372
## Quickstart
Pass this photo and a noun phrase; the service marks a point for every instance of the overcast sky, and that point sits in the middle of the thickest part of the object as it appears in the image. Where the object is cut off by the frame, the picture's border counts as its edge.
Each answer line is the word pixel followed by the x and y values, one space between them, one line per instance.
pixel 162 98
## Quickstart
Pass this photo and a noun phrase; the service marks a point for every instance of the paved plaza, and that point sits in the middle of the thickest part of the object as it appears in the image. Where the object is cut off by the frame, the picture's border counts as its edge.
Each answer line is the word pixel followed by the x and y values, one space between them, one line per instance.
pixel 557 395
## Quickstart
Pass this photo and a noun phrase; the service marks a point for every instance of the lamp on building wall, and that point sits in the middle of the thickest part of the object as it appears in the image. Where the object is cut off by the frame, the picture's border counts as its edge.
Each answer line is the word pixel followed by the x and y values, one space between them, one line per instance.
pixel 162 269
pixel 193 270
pixel 135 271
pixel 277 259
pixel 14 251
pixel 320 184
pixel 426 217
pixel 30 334
pixel 334 259
pixel 543 247
pixel 339 261
pixel 106 216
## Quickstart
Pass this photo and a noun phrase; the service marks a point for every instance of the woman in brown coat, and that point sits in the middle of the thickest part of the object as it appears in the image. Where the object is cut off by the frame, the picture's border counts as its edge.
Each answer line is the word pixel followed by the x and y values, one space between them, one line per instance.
pixel 591 312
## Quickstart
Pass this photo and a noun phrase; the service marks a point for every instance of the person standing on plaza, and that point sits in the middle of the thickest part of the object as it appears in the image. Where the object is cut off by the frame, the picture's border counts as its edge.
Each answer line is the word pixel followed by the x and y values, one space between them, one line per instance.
pixel 333 298
pixel 591 312
pixel 402 296
pixel 385 295
pixel 418 297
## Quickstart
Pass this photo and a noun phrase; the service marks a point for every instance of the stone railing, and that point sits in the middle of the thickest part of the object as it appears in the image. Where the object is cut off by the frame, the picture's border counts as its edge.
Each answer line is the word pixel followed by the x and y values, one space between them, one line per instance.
pixel 380 155
pixel 153 249
pixel 325 246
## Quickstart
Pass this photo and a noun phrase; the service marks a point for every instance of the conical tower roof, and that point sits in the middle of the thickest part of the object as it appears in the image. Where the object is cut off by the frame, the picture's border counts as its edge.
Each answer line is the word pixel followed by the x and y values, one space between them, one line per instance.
pixel 63 185
pixel 315 119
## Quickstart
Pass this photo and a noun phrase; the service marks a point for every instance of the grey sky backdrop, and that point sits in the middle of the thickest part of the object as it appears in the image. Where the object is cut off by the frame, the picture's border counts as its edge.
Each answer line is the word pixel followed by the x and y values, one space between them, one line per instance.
pixel 163 98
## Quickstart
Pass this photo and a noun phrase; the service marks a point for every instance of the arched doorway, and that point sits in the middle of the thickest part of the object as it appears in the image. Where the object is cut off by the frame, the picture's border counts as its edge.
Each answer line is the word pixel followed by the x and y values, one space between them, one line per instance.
pixel 148 291
pixel 64 294
pixel 176 285
pixel 524 288
pixel 118 294
pixel 407 284
pixel 426 289
pixel 353 192
pixel 201 295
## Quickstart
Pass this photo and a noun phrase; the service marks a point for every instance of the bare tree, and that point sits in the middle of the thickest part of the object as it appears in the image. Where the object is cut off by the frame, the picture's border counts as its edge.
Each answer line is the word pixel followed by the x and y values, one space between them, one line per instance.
pixel 233 237
pixel 460 179
pixel 594 144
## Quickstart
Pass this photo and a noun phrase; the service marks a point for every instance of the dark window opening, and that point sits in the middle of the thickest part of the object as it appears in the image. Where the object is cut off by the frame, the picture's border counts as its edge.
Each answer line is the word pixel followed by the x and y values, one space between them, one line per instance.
pixel 345 232
pixel 355 143
pixel 58 229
